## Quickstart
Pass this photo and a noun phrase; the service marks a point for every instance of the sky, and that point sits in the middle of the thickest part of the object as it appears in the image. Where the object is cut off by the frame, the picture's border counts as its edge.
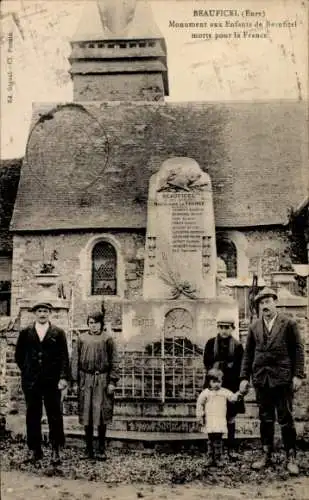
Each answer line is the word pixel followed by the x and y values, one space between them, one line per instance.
pixel 35 36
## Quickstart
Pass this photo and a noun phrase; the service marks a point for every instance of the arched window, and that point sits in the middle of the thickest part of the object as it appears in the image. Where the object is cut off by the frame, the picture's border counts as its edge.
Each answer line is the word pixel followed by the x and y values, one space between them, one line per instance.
pixel 104 269
pixel 226 250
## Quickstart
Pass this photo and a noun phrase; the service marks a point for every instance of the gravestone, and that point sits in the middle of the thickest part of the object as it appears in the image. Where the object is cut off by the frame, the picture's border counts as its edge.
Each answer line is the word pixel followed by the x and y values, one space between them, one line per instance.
pixel 180 257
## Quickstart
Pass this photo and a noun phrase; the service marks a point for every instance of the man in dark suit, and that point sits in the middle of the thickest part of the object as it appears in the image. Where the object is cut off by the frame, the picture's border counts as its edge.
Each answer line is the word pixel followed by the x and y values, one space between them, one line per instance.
pixel 274 357
pixel 42 356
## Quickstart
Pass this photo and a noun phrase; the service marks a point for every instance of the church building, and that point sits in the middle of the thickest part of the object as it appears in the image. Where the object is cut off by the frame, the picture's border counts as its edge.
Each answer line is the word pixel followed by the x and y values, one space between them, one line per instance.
pixel 86 224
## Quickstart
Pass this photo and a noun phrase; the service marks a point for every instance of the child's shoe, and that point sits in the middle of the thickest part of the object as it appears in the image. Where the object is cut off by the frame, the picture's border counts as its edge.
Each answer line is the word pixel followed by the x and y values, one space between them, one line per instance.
pixel 210 461
pixel 101 456
pixel 233 455
pixel 219 462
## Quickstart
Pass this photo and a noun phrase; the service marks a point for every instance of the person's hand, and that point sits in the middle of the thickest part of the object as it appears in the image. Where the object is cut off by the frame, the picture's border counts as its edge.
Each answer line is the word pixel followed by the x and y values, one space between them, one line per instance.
pixel 63 394
pixel 62 384
pixel 111 389
pixel 244 387
pixel 201 420
pixel 108 328
pixel 297 383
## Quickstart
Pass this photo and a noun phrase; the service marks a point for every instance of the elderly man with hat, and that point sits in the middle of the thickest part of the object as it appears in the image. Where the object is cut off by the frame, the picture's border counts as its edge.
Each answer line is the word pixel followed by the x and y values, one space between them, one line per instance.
pixel 225 353
pixel 274 358
pixel 42 357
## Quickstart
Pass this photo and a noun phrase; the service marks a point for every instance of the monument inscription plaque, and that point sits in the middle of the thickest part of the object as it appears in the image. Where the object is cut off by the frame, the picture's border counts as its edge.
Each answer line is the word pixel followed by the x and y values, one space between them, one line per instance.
pixel 180 258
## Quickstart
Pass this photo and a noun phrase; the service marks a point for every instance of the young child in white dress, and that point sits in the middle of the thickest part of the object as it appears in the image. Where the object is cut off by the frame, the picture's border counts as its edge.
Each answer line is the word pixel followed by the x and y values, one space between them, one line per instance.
pixel 211 410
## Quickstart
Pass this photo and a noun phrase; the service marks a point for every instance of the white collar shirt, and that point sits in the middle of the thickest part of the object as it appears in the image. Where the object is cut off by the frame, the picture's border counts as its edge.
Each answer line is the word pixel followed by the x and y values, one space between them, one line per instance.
pixel 269 324
pixel 41 329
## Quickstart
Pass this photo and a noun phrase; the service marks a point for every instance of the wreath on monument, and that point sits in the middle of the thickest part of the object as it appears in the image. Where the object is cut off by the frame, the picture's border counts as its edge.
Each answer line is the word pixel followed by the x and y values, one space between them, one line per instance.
pixel 178 287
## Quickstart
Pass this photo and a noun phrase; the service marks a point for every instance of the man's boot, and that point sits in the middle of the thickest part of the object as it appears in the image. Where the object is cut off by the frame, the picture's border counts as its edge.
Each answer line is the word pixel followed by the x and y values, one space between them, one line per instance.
pixel 231 443
pixel 55 457
pixel 101 455
pixel 34 456
pixel 289 442
pixel 89 442
pixel 265 460
pixel 291 465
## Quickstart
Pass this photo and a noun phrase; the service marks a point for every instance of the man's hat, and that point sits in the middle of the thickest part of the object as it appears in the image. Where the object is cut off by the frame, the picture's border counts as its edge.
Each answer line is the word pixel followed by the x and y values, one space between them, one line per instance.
pixel 225 317
pixel 266 292
pixel 41 303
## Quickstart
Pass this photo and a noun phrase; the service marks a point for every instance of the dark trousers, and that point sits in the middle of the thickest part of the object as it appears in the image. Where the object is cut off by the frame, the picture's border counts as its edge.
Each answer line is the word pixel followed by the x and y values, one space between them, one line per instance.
pixel 271 401
pixel 34 403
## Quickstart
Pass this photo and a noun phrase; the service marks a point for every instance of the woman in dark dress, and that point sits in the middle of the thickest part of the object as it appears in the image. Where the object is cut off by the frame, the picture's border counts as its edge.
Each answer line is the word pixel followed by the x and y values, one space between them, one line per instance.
pixel 225 352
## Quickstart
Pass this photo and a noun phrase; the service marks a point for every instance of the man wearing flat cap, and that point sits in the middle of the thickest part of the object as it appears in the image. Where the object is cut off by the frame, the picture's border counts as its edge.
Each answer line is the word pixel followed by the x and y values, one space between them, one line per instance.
pixel 274 358
pixel 42 357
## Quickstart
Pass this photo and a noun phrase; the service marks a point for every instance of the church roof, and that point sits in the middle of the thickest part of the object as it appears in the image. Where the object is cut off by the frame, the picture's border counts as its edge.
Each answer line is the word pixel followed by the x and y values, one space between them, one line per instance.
pixel 142 26
pixel 88 166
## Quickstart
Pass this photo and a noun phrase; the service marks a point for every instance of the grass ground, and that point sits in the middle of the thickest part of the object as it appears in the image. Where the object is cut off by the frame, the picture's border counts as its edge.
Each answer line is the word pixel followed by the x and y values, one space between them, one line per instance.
pixel 147 474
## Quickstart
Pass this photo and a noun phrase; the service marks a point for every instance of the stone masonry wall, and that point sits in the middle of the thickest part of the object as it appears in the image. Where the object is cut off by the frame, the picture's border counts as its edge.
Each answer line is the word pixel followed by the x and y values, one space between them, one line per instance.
pixel 263 248
pixel 74 268
pixel 117 87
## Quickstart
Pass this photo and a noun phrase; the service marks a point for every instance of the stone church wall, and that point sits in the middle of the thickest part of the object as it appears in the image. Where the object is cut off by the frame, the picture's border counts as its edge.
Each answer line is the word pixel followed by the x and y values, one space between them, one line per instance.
pixel 74 268
pixel 261 250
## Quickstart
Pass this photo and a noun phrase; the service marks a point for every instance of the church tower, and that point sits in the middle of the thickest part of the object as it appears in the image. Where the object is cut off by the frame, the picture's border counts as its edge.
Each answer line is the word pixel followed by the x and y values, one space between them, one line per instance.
pixel 118 54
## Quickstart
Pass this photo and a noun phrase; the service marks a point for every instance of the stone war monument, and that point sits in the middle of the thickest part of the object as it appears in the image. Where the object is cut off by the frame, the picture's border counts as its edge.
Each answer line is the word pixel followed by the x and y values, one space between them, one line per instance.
pixel 179 281
pixel 164 333
pixel 180 248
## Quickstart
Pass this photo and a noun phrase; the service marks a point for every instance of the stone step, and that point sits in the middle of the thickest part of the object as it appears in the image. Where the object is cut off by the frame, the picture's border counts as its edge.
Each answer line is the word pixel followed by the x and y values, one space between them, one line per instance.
pixel 151 419
pixel 139 440
pixel 166 409
pixel 153 410
pixel 245 426
pixel 175 424
pixel 150 424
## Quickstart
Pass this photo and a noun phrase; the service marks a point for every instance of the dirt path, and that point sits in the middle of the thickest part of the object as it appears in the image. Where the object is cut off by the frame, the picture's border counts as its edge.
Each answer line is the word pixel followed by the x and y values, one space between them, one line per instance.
pixel 148 474
pixel 23 486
